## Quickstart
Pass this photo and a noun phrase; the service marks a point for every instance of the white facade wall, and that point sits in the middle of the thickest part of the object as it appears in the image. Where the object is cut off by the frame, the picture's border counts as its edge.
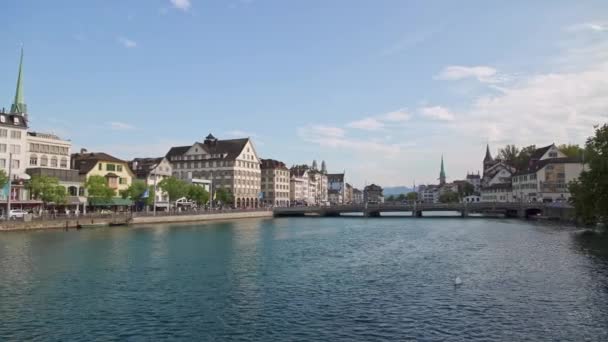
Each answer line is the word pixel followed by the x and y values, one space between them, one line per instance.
pixel 45 150
pixel 13 140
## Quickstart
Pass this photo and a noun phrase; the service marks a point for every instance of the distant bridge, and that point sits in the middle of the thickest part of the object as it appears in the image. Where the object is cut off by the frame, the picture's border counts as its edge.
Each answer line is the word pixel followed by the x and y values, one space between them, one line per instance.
pixel 521 210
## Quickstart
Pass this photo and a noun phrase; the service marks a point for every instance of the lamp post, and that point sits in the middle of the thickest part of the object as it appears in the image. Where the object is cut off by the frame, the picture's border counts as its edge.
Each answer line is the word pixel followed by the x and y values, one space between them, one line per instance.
pixel 10 190
pixel 155 181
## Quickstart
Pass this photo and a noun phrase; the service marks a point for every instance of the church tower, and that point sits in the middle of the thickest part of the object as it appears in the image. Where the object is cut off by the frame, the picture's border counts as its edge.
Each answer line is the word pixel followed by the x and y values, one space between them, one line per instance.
pixel 488 161
pixel 442 173
pixel 19 106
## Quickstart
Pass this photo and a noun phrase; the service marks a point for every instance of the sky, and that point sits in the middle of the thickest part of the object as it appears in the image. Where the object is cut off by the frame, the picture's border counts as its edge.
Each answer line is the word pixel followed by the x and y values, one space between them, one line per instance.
pixel 380 89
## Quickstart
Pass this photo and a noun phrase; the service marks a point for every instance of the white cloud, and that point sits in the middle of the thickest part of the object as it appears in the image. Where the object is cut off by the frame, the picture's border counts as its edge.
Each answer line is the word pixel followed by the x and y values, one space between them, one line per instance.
pixel 183 5
pixel 588 26
pixel 437 113
pixel 126 42
pixel 237 133
pixel 400 115
pixel 369 124
pixel 120 126
pixel 482 73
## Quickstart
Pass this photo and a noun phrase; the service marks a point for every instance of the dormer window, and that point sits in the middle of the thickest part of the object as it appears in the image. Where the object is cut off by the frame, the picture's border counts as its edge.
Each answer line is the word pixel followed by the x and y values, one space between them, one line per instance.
pixel 16 120
pixel 2 118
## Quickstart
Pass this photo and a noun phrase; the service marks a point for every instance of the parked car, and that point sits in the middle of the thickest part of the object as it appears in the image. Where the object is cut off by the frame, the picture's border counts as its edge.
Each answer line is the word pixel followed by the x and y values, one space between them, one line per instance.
pixel 17 213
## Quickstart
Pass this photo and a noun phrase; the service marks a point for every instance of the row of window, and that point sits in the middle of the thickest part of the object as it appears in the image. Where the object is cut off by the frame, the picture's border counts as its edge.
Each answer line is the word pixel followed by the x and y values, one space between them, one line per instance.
pixel 110 167
pixel 14 149
pixel 44 161
pixel 524 178
pixel 276 186
pixel 15 163
pixel 277 194
pixel 45 148
pixel 14 133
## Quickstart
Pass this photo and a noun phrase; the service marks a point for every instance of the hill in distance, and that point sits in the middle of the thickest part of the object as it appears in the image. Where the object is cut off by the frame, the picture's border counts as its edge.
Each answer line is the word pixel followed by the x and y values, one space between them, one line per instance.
pixel 396 190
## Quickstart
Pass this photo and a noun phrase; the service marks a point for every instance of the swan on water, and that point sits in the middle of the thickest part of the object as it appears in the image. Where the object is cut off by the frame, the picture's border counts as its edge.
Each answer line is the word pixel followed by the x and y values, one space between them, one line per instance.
pixel 457 281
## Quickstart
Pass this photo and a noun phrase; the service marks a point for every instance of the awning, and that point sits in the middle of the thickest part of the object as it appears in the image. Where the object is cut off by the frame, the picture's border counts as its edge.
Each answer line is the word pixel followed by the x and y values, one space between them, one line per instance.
pixel 116 201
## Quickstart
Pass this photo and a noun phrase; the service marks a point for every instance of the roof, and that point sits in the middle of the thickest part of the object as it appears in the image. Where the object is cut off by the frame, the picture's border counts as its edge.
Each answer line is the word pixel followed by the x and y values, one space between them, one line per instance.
pixel 488 157
pixel 8 120
pixel 373 187
pixel 298 171
pixel 505 186
pixel 335 177
pixel 231 147
pixel 473 176
pixel 44 135
pixel 357 191
pixel 143 166
pixel 539 152
pixel 542 163
pixel 272 164
pixel 85 162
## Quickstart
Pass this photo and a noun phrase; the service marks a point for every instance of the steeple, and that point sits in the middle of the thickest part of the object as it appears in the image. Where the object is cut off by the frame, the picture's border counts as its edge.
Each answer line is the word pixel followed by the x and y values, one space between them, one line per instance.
pixel 323 167
pixel 488 157
pixel 442 173
pixel 19 106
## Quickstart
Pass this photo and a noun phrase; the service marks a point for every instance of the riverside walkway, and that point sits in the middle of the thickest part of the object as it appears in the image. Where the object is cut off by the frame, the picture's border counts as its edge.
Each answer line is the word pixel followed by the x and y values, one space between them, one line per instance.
pixel 521 210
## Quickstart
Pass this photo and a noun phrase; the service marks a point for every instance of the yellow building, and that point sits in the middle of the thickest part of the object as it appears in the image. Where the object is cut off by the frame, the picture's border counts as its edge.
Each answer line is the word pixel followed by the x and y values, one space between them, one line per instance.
pixel 117 172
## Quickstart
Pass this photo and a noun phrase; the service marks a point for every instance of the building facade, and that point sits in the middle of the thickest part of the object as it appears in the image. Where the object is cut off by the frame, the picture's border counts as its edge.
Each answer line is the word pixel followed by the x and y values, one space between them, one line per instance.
pixel 152 171
pixel 373 194
pixel 275 183
pixel 117 172
pixel 232 165
pixel 47 151
pixel 336 182
pixel 357 196
pixel 298 186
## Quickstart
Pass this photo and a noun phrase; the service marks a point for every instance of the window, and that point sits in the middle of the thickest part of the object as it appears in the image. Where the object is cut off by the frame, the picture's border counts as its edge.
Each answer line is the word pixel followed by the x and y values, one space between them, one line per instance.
pixel 64 163
pixel 16 120
pixel 3 163
pixel 110 167
pixel 119 168
pixel 53 162
pixel 33 160
pixel 15 164
pixel 553 154
pixel 122 180
pixel 3 148
pixel 99 167
pixel 44 161
pixel 3 133
pixel 2 118
pixel 15 149
pixel 15 134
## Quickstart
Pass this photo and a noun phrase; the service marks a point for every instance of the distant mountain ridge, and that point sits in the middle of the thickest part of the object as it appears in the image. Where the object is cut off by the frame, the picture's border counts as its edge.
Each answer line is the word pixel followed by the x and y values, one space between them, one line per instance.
pixel 396 190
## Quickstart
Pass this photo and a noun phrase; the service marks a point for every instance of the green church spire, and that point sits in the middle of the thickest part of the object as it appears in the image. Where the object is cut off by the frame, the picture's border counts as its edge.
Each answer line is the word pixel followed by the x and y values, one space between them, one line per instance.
pixel 19 106
pixel 442 173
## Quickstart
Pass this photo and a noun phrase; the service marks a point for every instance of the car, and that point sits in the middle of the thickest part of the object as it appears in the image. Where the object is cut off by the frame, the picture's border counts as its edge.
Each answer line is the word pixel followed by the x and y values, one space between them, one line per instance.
pixel 17 213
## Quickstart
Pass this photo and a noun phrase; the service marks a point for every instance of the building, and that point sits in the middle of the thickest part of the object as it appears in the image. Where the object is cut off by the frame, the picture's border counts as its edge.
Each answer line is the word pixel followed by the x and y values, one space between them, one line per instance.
pixel 373 194
pixel 429 193
pixel 47 151
pixel 348 194
pixel 334 197
pixel 335 182
pixel 298 186
pixel 232 165
pixel 71 180
pixel 496 181
pixel 152 171
pixel 357 196
pixel 275 183
pixel 499 192
pixel 475 181
pixel 318 178
pixel 117 172
pixel 547 177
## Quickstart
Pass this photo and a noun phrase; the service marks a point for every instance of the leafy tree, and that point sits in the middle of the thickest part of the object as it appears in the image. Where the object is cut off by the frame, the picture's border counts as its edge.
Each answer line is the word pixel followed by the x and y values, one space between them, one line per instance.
pixel 3 178
pixel 570 150
pixel 448 197
pixel 175 188
pixel 590 191
pixel 523 159
pixel 509 154
pixel 390 198
pixel 224 196
pixel 198 194
pixel 98 187
pixel 465 189
pixel 401 197
pixel 47 189
pixel 412 196
pixel 136 191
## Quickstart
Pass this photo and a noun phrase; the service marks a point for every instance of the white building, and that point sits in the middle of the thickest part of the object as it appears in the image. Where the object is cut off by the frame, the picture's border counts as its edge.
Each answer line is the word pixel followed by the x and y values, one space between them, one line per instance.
pixel 336 182
pixel 153 171
pixel 275 183
pixel 13 144
pixel 429 193
pixel 298 186
pixel 232 165
pixel 48 151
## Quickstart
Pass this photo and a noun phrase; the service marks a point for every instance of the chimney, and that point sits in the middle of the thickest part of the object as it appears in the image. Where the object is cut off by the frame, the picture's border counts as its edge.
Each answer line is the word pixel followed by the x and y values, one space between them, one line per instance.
pixel 83 150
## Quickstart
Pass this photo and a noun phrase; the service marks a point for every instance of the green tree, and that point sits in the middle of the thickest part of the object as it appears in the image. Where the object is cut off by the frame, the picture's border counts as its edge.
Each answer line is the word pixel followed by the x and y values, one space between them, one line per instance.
pixel 224 196
pixel 3 178
pixel 571 150
pixel 465 189
pixel 589 194
pixel 47 189
pixel 523 158
pixel 97 186
pixel 136 190
pixel 412 196
pixel 390 198
pixel 198 194
pixel 401 197
pixel 175 188
pixel 448 197
pixel 509 154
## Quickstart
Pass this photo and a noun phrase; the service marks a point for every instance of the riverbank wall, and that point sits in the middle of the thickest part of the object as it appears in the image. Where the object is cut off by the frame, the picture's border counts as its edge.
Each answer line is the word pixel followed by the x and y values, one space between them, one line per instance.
pixel 200 217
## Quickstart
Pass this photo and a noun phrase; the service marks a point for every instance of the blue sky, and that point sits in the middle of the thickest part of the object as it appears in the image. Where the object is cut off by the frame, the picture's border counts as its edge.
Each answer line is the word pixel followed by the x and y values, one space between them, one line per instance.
pixel 377 88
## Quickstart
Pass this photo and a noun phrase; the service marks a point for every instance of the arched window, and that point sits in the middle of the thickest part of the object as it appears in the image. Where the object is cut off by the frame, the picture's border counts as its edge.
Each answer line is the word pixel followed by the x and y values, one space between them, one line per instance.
pixel 33 160
pixel 53 161
pixel 44 161
pixel 64 163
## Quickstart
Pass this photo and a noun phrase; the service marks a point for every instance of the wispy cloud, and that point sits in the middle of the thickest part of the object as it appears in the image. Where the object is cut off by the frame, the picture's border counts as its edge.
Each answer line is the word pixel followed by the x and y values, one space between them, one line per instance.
pixel 370 124
pixel 126 42
pixel 120 126
pixel 410 41
pixel 237 133
pixel 378 122
pixel 183 5
pixel 437 113
pixel 482 73
pixel 589 26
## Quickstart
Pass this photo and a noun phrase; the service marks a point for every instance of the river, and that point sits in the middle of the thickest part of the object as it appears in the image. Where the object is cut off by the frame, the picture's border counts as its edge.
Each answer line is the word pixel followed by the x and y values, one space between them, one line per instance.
pixel 306 279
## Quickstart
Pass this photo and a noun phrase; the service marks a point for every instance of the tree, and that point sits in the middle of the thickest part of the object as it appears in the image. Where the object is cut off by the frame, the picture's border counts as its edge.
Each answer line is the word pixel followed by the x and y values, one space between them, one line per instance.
pixel 522 162
pixel 198 194
pixel 47 189
pixel 224 196
pixel 465 189
pixel 175 188
pixel 571 150
pixel 589 194
pixel 448 197
pixel 412 196
pixel 401 197
pixel 136 191
pixel 97 187
pixel 390 198
pixel 3 178
pixel 509 154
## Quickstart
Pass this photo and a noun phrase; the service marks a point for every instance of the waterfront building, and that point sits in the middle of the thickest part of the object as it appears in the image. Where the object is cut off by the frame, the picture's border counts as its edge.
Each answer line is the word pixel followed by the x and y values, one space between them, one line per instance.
pixel 334 197
pixel 298 186
pixel 373 193
pixel 495 185
pixel 429 193
pixel 348 194
pixel 357 196
pixel 48 151
pixel 316 183
pixel 498 192
pixel 547 177
pixel 117 173
pixel 475 181
pixel 319 179
pixel 70 179
pixel 232 165
pixel 275 183
pixel 336 182
pixel 152 171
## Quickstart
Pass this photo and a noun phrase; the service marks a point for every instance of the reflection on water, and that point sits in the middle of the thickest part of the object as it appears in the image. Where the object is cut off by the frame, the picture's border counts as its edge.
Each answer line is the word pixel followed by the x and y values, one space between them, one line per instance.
pixel 347 279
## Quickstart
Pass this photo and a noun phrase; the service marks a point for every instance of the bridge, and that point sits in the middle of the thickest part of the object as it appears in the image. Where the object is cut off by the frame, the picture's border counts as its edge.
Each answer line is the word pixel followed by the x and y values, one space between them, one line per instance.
pixel 521 210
